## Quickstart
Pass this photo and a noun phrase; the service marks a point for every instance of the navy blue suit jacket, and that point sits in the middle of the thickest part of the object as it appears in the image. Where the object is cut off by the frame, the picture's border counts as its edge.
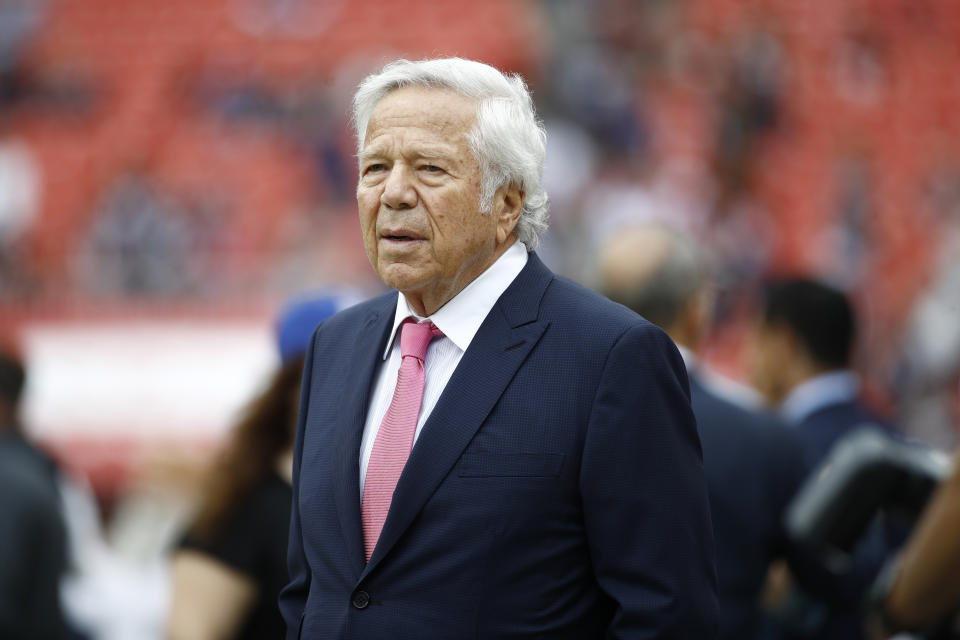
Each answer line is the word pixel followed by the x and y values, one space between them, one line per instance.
pixel 556 490
pixel 821 430
pixel 754 467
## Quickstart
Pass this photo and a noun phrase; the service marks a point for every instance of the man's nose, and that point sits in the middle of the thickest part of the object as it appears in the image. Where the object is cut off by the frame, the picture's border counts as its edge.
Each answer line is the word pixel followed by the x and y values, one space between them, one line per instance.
pixel 398 191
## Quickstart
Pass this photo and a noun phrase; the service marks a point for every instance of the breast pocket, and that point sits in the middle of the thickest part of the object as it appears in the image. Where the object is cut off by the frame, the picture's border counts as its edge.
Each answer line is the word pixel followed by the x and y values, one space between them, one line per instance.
pixel 510 465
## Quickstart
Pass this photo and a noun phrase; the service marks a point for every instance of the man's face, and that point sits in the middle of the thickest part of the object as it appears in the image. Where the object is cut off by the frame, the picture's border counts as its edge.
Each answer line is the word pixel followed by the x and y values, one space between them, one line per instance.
pixel 419 196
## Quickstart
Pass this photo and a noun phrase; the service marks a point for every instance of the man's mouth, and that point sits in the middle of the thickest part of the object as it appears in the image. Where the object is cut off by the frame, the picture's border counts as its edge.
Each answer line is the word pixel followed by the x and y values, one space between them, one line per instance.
pixel 400 236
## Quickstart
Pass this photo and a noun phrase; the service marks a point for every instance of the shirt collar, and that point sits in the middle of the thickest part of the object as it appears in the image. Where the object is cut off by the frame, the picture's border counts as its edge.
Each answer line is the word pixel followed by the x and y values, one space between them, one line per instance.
pixel 820 391
pixel 460 318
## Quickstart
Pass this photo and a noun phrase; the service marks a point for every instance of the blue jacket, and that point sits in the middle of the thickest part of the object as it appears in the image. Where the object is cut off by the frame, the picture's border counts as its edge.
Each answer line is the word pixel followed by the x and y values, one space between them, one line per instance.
pixel 754 467
pixel 821 429
pixel 556 490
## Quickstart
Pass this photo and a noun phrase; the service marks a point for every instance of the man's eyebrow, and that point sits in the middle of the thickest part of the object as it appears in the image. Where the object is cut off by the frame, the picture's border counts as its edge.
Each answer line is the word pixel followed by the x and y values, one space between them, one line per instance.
pixel 431 154
pixel 366 154
pixel 421 154
pixel 435 150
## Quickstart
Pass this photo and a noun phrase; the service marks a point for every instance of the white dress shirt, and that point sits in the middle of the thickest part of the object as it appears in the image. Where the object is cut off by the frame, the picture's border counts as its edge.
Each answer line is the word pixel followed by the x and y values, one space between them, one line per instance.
pixel 819 391
pixel 459 320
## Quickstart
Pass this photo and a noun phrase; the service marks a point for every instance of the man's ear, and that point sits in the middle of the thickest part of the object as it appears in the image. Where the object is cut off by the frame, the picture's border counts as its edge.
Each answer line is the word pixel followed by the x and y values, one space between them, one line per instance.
pixel 507 207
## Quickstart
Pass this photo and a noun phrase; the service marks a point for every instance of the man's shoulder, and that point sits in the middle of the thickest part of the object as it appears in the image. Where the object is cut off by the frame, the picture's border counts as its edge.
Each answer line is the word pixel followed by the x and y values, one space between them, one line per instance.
pixel 738 440
pixel 594 324
pixel 845 416
pixel 825 427
pixel 583 307
pixel 25 480
pixel 739 423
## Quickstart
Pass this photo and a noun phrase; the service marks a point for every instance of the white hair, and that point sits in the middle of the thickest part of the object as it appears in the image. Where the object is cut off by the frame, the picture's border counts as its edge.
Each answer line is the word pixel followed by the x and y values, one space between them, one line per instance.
pixel 507 139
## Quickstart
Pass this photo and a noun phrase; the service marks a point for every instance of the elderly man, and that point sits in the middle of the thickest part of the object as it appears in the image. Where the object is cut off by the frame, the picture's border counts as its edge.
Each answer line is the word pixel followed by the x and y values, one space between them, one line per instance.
pixel 492 451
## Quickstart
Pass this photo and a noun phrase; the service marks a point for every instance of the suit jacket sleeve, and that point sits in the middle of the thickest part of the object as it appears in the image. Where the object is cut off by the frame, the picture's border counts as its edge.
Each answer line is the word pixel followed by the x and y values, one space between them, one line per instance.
pixel 293 598
pixel 645 497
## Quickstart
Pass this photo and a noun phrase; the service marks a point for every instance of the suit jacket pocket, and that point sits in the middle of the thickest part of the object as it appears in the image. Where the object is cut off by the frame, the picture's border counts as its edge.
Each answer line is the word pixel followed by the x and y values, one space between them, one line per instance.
pixel 516 465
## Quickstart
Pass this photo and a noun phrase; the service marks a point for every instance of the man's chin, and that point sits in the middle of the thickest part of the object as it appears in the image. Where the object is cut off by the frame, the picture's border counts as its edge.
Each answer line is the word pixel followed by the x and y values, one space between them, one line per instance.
pixel 402 277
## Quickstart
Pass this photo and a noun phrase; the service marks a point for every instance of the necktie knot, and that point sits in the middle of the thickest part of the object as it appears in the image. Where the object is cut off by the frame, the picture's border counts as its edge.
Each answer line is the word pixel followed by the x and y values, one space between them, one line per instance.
pixel 415 338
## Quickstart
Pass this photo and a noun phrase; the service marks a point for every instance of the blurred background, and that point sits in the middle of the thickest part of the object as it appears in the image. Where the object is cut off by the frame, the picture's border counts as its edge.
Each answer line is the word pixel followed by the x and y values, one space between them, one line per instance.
pixel 172 173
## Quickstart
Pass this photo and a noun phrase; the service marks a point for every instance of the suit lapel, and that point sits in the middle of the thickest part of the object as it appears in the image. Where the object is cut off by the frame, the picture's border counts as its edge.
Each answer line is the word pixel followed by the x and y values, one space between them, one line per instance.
pixel 504 340
pixel 367 353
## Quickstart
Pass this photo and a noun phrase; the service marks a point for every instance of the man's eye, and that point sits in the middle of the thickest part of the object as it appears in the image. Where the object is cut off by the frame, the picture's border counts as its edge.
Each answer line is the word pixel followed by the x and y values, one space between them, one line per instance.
pixel 373 168
pixel 432 168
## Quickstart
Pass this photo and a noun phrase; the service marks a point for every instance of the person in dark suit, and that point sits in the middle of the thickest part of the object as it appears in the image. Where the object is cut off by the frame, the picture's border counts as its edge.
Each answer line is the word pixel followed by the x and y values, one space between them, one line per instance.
pixel 33 547
pixel 802 353
pixel 753 463
pixel 802 362
pixel 32 550
pixel 494 451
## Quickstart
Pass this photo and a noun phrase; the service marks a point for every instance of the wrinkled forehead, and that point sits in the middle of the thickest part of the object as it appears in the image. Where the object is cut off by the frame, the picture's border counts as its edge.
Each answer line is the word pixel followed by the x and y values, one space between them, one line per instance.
pixel 440 111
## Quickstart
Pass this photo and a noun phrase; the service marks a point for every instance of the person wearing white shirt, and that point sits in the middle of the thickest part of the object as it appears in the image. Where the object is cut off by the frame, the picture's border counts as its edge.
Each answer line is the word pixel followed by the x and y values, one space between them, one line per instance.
pixel 459 320
pixel 492 451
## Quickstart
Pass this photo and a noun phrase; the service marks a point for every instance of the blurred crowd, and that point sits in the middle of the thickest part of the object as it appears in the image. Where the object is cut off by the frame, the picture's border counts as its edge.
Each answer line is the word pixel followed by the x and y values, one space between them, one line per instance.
pixel 789 172
pixel 202 156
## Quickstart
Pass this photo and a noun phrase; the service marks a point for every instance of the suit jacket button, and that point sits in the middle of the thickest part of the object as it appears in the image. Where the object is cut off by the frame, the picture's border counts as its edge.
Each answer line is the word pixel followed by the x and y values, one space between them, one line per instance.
pixel 361 599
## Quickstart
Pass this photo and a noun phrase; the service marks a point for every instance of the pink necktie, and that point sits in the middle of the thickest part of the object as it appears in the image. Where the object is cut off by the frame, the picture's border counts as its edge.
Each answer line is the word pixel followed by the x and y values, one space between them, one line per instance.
pixel 395 438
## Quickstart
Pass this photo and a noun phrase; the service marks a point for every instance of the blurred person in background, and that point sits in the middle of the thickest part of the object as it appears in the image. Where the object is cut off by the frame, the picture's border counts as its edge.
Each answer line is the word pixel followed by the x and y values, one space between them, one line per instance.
pixel 75 504
pixel 801 362
pixel 32 551
pixel 230 566
pixel 751 460
pixel 20 190
pixel 922 590
pixel 13 378
pixel 928 376
pixel 33 547
pixel 91 575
